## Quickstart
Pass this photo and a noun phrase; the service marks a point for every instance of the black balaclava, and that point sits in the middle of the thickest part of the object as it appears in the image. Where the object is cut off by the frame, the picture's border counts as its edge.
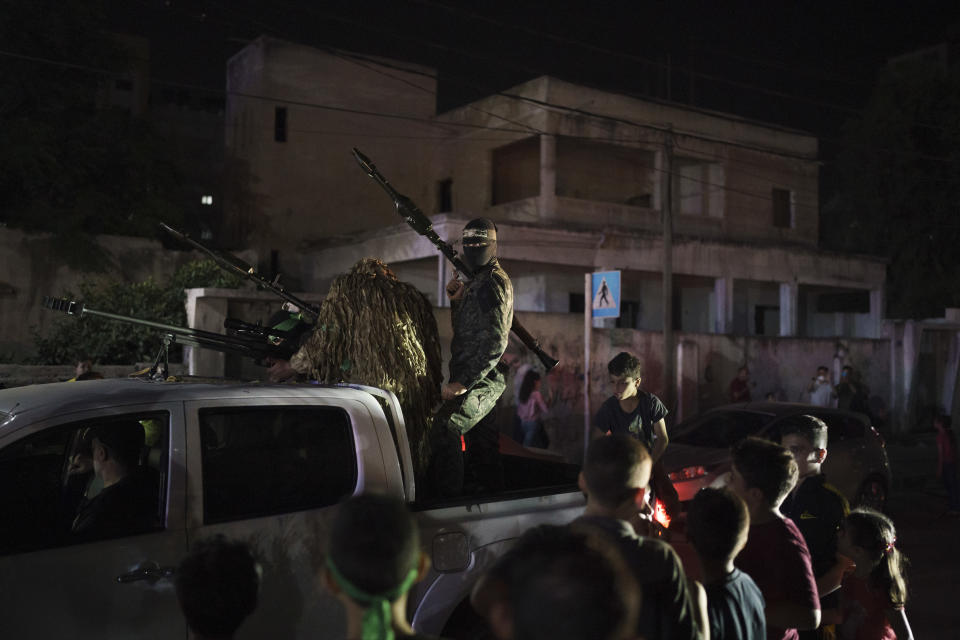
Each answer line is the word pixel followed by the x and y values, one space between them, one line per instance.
pixel 479 243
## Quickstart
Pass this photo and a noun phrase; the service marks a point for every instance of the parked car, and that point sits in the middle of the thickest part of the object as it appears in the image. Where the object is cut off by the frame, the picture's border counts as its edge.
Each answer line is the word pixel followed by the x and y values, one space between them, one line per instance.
pixel 260 463
pixel 699 452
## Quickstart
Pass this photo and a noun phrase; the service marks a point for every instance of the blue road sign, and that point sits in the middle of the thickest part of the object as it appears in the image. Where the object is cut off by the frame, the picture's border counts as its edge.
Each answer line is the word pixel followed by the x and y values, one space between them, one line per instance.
pixel 605 294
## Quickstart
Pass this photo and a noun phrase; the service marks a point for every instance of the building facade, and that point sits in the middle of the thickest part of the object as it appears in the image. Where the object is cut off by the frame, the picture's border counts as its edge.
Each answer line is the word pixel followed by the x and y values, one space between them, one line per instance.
pixel 577 179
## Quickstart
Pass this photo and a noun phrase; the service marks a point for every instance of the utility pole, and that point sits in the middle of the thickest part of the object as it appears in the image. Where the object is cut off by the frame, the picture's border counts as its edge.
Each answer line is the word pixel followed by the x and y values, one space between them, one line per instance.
pixel 669 384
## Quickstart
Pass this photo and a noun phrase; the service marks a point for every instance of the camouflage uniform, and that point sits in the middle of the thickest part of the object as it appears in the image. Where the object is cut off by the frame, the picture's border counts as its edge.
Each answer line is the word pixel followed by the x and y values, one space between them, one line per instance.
pixel 481 330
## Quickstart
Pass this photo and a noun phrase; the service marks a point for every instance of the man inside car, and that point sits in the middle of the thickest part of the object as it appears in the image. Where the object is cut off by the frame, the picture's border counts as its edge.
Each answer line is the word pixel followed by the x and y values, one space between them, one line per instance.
pixel 129 500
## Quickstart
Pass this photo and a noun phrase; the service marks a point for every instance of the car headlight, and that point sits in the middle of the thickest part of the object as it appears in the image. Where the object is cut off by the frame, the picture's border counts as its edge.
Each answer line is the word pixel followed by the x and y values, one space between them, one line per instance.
pixel 688 473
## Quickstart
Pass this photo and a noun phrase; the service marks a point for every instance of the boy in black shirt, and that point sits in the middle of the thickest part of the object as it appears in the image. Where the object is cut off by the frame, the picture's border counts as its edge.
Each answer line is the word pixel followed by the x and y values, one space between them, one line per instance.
pixel 717 525
pixel 815 506
pixel 631 411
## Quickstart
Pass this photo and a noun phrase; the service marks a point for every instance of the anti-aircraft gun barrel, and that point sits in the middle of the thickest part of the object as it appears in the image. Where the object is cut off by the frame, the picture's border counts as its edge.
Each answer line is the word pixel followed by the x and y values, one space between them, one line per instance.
pixel 259 345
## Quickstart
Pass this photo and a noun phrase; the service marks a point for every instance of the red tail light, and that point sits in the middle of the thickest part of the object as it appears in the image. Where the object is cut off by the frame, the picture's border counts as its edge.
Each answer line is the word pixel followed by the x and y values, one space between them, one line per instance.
pixel 688 473
pixel 660 514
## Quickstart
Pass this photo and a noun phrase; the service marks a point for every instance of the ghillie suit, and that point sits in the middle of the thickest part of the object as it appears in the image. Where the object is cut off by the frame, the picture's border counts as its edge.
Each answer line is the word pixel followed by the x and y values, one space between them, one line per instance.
pixel 374 329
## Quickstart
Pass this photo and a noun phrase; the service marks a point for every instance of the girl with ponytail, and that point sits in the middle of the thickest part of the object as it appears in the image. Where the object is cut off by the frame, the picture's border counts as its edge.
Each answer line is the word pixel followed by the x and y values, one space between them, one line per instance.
pixel 873 596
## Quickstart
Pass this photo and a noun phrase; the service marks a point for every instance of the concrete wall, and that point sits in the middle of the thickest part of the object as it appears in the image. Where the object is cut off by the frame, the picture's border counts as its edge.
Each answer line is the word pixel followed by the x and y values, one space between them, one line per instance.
pixel 709 362
pixel 30 270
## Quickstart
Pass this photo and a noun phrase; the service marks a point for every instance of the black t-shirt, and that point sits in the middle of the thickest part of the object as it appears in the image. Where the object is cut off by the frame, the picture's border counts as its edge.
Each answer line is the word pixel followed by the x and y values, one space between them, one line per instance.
pixel 666 609
pixel 818 509
pixel 130 506
pixel 638 424
pixel 735 608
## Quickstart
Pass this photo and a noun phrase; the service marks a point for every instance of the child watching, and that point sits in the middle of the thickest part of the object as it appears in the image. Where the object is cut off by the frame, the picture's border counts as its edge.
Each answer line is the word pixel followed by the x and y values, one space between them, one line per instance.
pixel 775 556
pixel 217 585
pixel 530 411
pixel 717 526
pixel 373 559
pixel 815 506
pixel 873 596
pixel 635 413
pixel 630 410
pixel 560 583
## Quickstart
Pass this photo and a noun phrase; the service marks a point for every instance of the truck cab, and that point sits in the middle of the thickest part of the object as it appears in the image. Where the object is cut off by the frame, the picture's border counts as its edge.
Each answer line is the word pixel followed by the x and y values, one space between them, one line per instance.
pixel 266 464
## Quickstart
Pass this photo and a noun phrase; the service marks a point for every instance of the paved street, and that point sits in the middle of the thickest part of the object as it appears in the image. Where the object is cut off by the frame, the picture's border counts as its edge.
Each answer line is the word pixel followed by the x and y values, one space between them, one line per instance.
pixel 932 544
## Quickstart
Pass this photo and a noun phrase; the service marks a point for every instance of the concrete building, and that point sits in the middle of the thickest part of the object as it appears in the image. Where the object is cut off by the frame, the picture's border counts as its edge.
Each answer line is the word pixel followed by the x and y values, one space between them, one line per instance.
pixel 576 178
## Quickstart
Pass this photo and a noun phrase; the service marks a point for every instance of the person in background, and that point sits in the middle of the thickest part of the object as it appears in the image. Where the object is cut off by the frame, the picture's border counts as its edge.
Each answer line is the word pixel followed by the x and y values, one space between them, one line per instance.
pixel 717 526
pixel 373 560
pixel 217 587
pixel 947 463
pixel 740 386
pixel 820 390
pixel 872 598
pixel 776 555
pixel 531 410
pixel 84 371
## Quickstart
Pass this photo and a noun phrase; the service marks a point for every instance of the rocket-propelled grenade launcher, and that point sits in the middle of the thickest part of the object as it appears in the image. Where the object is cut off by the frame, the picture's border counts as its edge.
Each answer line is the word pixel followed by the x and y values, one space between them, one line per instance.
pixel 420 223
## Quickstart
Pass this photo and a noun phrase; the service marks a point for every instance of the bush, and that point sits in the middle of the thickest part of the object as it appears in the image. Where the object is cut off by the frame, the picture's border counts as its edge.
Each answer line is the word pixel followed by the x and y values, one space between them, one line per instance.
pixel 115 342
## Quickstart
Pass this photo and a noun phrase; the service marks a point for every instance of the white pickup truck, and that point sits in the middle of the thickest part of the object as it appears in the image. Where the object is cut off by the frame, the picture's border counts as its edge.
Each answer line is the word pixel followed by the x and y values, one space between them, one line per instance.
pixel 261 463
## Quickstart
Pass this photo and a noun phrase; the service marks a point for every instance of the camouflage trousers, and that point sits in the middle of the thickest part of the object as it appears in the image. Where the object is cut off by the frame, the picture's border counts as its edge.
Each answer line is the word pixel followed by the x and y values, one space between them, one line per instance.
pixel 471 416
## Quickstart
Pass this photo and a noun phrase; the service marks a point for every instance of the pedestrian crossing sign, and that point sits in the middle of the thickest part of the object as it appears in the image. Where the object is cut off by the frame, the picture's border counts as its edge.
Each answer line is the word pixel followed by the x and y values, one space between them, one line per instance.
pixel 605 294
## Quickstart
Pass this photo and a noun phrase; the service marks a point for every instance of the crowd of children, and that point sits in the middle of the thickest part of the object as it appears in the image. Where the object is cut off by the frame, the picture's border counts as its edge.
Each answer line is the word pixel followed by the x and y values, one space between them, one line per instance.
pixel 779 553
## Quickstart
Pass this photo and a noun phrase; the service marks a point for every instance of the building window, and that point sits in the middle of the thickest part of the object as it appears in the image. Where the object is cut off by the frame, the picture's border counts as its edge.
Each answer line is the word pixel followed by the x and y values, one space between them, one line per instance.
pixel 445 196
pixel 576 303
pixel 698 187
pixel 516 171
pixel 601 172
pixel 206 200
pixel 280 124
pixel 782 208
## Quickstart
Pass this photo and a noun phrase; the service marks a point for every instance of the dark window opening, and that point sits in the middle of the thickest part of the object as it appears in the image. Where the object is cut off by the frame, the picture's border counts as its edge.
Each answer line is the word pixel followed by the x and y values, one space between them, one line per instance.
pixel 445 196
pixel 280 124
pixel 844 302
pixel 123 85
pixel 516 171
pixel 629 312
pixel 782 210
pixel 576 303
pixel 766 319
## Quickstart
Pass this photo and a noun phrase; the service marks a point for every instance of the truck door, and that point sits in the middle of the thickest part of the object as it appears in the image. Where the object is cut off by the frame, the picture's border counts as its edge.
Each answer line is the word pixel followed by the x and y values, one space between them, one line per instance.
pixel 269 472
pixel 73 564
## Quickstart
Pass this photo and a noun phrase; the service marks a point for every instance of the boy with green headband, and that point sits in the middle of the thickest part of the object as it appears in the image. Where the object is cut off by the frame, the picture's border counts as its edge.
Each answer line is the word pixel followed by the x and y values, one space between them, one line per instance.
pixel 373 559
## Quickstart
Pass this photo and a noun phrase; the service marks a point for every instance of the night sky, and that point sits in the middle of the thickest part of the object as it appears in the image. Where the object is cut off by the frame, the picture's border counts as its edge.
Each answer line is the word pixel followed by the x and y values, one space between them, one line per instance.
pixel 805 65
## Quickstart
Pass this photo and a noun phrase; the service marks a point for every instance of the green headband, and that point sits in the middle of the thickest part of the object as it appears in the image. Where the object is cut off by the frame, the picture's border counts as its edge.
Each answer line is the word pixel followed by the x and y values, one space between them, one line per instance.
pixel 376 618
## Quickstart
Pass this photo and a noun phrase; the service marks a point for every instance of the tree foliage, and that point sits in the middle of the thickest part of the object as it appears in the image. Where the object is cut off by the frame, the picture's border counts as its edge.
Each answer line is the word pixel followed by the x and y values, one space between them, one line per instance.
pixel 113 342
pixel 897 181
pixel 70 163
